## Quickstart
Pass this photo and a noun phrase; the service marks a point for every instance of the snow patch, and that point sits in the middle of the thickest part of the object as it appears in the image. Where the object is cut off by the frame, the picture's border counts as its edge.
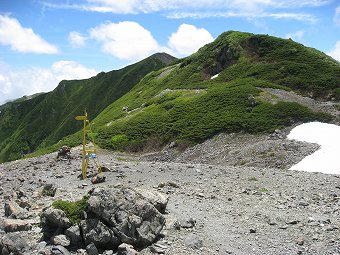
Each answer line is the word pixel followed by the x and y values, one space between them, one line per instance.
pixel 215 76
pixel 327 158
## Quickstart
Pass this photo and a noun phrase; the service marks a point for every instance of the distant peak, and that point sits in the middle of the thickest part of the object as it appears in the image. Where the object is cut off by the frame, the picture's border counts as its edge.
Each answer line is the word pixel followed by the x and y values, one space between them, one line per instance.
pixel 164 57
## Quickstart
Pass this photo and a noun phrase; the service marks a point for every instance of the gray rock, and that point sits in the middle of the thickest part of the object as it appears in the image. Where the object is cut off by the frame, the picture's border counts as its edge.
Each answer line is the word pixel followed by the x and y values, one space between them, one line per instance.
pixel 252 230
pixel 157 199
pixel 91 249
pixel 73 233
pixel 13 210
pixel 158 248
pixel 99 178
pixel 193 241
pixel 94 231
pixel 300 241
pixel 108 252
pixel 14 225
pixel 59 250
pixel 13 243
pixel 189 223
pixel 62 240
pixel 126 249
pixel 81 252
pixel 4 251
pixel 49 190
pixel 55 217
pixel 134 220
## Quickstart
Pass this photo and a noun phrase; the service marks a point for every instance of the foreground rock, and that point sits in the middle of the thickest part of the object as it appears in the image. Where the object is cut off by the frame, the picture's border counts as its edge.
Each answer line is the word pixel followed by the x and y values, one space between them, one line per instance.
pixel 113 216
pixel 13 243
pixel 133 219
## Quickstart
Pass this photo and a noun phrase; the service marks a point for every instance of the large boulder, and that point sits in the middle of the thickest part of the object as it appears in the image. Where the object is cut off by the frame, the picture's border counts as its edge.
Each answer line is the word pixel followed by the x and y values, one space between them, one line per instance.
pixel 157 199
pixel 94 231
pixel 73 233
pixel 133 219
pixel 14 225
pixel 112 217
pixel 13 243
pixel 14 211
pixel 54 222
pixel 126 249
pixel 55 217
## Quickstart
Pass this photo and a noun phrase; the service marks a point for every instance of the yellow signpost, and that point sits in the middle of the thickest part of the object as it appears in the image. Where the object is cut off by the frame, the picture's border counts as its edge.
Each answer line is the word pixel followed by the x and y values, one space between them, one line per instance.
pixel 88 149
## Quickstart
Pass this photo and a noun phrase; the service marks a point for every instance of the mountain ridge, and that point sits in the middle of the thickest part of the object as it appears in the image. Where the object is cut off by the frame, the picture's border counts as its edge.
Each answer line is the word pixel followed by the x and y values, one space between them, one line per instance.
pixel 45 119
pixel 181 102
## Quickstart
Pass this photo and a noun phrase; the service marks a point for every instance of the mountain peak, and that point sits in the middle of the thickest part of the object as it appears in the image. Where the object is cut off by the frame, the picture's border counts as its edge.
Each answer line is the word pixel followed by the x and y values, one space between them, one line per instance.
pixel 165 58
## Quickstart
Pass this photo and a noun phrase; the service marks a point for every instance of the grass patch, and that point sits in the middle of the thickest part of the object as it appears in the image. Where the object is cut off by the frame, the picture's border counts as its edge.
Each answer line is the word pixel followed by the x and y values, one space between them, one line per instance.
pixel 263 190
pixel 73 210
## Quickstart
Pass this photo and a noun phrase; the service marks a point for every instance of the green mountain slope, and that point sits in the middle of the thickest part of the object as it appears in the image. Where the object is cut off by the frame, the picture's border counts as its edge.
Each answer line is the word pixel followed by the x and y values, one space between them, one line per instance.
pixel 26 125
pixel 182 103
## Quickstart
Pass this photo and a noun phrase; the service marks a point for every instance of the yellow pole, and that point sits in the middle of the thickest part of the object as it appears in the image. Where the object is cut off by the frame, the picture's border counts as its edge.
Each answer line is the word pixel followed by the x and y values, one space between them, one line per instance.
pixel 85 158
pixel 84 164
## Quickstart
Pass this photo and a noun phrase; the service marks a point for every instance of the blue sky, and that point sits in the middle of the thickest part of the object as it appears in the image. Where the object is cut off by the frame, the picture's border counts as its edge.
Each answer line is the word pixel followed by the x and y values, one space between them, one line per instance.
pixel 45 41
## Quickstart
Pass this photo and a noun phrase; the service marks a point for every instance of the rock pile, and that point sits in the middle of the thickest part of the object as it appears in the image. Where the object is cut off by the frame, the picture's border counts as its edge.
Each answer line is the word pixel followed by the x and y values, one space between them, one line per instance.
pixel 114 219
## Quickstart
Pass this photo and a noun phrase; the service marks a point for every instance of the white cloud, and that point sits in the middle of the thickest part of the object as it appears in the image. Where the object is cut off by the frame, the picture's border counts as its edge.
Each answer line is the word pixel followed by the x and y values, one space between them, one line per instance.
pixel 125 40
pixel 15 84
pixel 249 15
pixel 22 39
pixel 188 39
pixel 180 9
pixel 147 6
pixel 337 16
pixel 126 6
pixel 335 52
pixel 76 39
pixel 203 8
pixel 297 36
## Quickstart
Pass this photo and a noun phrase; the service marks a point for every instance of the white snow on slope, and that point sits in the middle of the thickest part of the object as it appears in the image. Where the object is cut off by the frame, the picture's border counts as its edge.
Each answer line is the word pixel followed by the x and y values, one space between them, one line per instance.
pixel 327 158
pixel 215 76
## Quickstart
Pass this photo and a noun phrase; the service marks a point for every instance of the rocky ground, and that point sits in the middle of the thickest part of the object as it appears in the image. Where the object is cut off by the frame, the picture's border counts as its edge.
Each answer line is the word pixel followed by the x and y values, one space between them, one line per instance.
pixel 233 194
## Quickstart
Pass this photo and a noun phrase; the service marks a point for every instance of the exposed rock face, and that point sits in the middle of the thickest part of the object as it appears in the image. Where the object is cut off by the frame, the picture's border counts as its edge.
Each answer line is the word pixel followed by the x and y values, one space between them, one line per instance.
pixel 55 217
pixel 157 199
pixel 94 231
pixel 14 211
pixel 113 216
pixel 14 225
pixel 133 219
pixel 73 233
pixel 13 243
pixel 126 249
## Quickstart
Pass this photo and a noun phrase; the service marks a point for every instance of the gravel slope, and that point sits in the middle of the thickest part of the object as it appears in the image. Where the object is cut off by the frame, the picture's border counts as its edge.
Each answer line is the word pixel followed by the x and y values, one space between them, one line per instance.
pixel 237 209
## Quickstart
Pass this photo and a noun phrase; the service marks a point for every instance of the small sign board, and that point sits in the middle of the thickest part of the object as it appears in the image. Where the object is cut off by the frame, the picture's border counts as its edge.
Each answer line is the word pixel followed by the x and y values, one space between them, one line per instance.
pixel 80 117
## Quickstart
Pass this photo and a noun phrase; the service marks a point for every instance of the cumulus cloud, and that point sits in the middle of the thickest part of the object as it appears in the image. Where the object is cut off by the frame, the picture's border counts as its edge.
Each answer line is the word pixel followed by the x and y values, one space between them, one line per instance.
pixel 130 41
pixel 22 39
pixel 125 40
pixel 188 39
pixel 76 39
pixel 297 36
pixel 337 16
pixel 15 84
pixel 335 52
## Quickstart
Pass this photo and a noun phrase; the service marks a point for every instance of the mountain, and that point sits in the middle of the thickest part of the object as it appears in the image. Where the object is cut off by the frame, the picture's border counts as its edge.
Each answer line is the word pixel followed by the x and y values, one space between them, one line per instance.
pixel 227 86
pixel 36 122
pixel 182 103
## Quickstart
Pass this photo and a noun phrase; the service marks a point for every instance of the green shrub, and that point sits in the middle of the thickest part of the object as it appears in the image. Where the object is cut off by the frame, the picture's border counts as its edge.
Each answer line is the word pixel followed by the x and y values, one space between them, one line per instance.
pixel 119 142
pixel 73 210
